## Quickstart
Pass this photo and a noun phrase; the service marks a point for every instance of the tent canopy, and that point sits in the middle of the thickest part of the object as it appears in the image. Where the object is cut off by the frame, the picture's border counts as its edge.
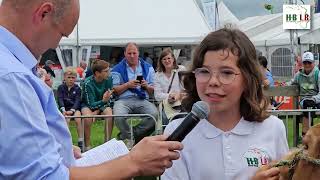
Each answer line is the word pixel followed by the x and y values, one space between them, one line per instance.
pixel 146 22
pixel 225 15
pixel 277 36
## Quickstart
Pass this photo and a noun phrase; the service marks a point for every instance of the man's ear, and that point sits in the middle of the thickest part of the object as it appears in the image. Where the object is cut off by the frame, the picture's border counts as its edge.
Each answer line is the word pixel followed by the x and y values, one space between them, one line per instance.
pixel 42 12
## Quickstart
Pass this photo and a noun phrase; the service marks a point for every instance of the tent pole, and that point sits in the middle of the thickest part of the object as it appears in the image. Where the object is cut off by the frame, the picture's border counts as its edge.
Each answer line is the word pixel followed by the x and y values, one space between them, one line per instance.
pixel 292 44
pixel 77 47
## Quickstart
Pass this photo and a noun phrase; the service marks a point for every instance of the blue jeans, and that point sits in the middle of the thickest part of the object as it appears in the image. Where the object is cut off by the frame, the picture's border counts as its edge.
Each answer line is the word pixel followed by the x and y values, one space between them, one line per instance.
pixel 135 106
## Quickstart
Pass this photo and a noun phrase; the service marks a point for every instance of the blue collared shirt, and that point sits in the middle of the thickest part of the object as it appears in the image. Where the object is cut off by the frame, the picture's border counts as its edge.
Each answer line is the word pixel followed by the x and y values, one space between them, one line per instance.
pixel 34 139
pixel 118 80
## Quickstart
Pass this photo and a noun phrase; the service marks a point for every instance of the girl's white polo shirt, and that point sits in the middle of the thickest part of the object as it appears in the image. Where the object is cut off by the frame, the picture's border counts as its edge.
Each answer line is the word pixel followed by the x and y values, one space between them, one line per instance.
pixel 211 154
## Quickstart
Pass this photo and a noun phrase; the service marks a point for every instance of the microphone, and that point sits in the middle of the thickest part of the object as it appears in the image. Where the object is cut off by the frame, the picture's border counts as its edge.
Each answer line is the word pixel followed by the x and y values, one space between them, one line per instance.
pixel 200 110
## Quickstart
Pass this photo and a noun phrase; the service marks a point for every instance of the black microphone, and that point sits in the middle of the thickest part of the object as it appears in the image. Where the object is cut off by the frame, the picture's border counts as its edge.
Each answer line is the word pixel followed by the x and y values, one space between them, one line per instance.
pixel 200 110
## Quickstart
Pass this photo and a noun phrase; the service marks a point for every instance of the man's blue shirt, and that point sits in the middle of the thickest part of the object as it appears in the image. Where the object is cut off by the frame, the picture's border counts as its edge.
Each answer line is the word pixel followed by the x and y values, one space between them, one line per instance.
pixel 118 79
pixel 34 139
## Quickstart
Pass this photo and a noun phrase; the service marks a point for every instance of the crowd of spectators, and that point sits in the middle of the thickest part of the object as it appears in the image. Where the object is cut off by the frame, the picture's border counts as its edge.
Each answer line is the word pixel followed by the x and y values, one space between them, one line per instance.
pixel 129 87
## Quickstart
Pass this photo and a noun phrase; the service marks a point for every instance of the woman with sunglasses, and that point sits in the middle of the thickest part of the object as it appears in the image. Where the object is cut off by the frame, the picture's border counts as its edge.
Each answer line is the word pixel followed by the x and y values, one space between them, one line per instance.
pixel 239 135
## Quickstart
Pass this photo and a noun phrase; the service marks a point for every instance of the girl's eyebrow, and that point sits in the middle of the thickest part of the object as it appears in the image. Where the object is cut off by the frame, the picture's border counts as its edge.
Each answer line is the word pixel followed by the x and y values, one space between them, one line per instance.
pixel 221 67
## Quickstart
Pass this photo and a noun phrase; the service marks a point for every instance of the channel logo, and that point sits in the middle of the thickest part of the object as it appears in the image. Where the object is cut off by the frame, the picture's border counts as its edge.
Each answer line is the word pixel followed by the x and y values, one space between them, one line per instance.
pixel 296 17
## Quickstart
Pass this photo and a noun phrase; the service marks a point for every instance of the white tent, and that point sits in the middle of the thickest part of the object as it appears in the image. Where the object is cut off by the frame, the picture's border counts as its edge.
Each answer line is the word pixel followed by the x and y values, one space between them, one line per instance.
pixel 277 36
pixel 272 41
pixel 146 22
pixel 226 17
pixel 259 24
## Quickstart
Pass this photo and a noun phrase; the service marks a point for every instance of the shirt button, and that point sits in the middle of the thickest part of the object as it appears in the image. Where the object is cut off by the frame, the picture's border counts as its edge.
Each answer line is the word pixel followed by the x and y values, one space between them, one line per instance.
pixel 227 134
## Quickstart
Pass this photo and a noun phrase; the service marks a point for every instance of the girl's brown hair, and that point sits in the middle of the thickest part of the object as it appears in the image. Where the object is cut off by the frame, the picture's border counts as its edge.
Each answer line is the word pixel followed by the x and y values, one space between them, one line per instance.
pixel 253 103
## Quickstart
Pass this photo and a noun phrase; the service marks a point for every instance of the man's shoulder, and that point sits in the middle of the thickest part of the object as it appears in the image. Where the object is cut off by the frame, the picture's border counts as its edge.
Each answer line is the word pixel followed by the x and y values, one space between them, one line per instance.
pixel 9 64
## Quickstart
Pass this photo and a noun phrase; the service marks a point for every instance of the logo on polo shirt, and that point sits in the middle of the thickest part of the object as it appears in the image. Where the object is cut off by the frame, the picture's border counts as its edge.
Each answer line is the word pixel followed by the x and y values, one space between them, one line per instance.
pixel 256 157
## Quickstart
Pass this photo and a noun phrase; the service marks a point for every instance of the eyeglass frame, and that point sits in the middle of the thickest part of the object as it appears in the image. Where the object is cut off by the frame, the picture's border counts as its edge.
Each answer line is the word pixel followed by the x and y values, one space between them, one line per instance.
pixel 218 75
pixel 106 70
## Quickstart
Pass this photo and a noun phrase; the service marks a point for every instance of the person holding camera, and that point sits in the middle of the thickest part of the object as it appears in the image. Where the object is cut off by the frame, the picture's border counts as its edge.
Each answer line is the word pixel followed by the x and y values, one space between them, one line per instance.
pixel 133 85
pixel 308 81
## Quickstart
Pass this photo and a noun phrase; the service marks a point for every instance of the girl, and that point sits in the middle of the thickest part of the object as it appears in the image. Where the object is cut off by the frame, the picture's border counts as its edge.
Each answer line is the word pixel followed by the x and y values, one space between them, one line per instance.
pixel 239 136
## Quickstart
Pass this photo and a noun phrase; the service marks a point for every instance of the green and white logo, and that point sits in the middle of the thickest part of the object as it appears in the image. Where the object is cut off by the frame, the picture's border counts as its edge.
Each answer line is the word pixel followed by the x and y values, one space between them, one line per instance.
pixel 256 157
pixel 296 17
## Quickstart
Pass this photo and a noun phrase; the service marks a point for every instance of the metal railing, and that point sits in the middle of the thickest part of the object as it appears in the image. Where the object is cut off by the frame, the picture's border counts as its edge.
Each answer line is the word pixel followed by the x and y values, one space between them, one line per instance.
pixel 285 116
pixel 104 118
pixel 295 114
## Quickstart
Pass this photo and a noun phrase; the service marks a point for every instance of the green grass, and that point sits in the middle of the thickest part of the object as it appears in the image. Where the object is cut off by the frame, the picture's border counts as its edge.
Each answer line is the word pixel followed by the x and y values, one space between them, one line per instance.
pixel 97 137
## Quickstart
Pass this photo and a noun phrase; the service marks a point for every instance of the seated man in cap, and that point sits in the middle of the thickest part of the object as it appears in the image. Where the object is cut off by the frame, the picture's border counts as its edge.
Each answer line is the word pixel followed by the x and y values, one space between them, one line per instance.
pixel 308 81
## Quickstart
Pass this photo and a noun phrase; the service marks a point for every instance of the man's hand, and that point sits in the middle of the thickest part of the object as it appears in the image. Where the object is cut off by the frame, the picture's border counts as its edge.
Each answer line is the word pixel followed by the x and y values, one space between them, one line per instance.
pixel 133 84
pixel 267 173
pixel 152 155
pixel 144 84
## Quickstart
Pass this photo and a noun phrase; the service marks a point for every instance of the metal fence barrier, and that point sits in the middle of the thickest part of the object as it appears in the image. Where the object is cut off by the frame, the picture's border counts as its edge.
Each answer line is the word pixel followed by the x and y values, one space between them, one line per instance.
pixel 295 115
pixel 102 117
pixel 284 115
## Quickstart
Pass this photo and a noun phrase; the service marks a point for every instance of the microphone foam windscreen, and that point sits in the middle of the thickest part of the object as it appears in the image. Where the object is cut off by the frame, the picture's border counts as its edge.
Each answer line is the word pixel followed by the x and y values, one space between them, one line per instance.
pixel 201 109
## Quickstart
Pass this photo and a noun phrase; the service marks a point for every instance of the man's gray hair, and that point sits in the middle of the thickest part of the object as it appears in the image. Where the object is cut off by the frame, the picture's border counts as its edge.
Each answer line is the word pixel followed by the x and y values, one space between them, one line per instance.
pixel 61 6
pixel 131 43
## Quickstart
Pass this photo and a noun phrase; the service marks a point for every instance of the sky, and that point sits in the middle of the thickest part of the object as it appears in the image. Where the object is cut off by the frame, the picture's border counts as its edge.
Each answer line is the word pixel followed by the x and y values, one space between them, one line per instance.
pixel 246 8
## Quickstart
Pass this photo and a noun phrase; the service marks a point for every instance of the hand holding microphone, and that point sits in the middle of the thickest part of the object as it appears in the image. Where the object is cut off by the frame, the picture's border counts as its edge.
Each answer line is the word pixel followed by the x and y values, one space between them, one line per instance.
pixel 200 110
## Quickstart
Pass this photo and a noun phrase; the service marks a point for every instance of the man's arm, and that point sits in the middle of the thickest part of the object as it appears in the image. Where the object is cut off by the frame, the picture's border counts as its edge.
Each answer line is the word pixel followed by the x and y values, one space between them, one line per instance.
pixel 148 88
pixel 29 149
pixel 151 156
pixel 149 84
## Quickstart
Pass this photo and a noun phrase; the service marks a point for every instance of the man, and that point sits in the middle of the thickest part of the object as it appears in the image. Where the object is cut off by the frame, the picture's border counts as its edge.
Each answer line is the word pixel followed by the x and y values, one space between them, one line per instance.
pixel 308 81
pixel 133 94
pixel 69 97
pixel 34 139
pixel 81 70
pixel 96 99
pixel 48 67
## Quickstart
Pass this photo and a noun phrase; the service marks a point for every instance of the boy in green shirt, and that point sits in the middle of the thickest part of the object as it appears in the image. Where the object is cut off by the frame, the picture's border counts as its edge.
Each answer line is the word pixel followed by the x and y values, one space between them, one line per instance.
pixel 97 91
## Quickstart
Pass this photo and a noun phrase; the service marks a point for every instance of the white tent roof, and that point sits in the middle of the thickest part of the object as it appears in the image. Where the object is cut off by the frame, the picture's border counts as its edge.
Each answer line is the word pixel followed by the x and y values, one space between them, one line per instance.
pixel 259 24
pixel 225 15
pixel 278 36
pixel 146 22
